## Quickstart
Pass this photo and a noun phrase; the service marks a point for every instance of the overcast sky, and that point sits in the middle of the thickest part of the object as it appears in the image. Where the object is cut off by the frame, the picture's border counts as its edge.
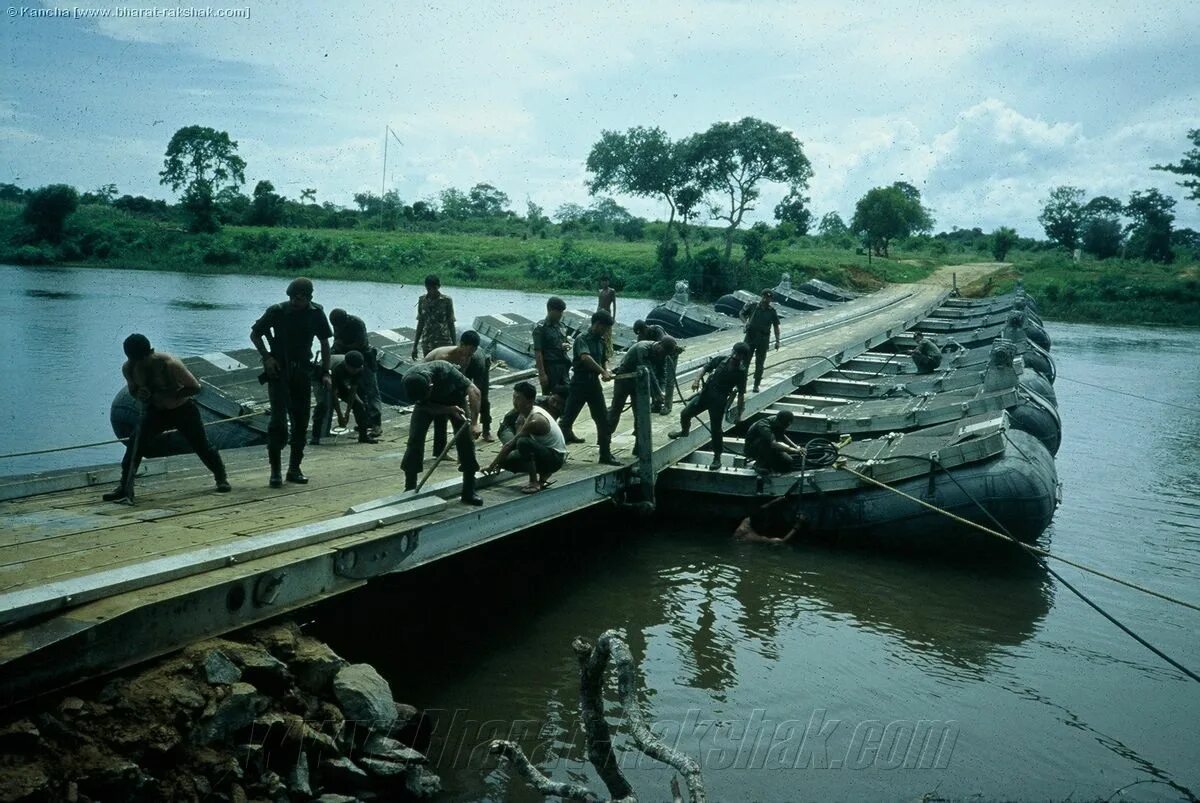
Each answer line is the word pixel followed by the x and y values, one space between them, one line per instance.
pixel 982 106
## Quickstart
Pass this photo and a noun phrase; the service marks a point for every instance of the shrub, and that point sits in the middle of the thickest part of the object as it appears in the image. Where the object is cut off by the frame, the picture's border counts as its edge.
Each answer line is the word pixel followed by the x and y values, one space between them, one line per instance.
pixel 48 208
pixel 221 255
pixel 31 255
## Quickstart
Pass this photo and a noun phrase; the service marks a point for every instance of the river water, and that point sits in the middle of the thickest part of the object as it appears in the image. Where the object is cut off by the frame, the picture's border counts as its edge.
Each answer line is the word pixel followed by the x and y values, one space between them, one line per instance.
pixel 794 673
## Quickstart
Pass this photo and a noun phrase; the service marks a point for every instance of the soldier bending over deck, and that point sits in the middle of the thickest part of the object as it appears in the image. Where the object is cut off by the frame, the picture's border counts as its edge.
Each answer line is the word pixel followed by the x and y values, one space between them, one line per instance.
pixel 649 354
pixel 438 388
pixel 768 445
pixel 727 375
pixel 350 334
pixel 346 373
pixel 165 388
pixel 927 356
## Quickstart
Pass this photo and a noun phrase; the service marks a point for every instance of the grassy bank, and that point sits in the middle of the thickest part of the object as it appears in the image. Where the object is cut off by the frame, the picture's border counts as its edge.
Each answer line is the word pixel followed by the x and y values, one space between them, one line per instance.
pixel 1112 291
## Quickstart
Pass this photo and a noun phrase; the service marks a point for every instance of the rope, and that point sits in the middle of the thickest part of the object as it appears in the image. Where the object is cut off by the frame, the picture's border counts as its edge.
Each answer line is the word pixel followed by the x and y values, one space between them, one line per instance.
pixel 124 440
pixel 1133 395
pixel 1040 555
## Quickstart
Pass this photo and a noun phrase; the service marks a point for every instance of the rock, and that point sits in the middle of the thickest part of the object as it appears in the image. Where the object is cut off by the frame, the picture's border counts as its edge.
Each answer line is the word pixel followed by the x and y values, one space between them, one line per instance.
pixel 261 668
pixel 107 776
pixel 298 735
pixel 297 779
pixel 20 736
pixel 404 714
pixel 215 765
pixel 334 798
pixel 218 669
pixel 315 665
pixel 24 782
pixel 343 773
pixel 380 746
pixel 365 697
pixel 279 640
pixel 232 714
pixel 237 794
pixel 420 782
pixel 70 706
pixel 383 769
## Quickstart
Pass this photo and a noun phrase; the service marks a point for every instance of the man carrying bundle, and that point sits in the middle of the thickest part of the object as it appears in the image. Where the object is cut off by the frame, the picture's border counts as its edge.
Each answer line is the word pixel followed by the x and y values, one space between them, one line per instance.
pixel 438 388
pixel 538 447
pixel 926 355
pixel 291 327
pixel 759 319
pixel 165 388
pixel 768 445
pixel 727 375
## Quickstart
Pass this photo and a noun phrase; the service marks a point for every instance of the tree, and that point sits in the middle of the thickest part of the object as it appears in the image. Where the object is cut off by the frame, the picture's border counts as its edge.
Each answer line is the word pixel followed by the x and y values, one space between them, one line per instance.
pixel 201 161
pixel 1102 237
pixel 308 195
pixel 11 192
pixel 732 159
pixel 484 200
pixel 605 214
pixel 267 207
pixel 885 213
pixel 794 209
pixel 1150 213
pixel 1003 239
pixel 687 202
pixel 367 202
pixel 455 204
pixel 643 162
pixel 1189 165
pixel 1062 214
pixel 101 196
pixel 754 244
pixel 832 226
pixel 47 210
pixel 423 210
pixel 570 213
pixel 535 218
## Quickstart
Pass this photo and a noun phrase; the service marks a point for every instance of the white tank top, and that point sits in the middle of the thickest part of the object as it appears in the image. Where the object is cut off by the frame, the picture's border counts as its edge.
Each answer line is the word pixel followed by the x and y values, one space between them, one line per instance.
pixel 554 438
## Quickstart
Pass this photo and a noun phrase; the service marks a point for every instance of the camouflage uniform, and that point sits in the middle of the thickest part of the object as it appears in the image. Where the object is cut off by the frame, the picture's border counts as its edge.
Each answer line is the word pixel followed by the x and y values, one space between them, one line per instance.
pixel 435 319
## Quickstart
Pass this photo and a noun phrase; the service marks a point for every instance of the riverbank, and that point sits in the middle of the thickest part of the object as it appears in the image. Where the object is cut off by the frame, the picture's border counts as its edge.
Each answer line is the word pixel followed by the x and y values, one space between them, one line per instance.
pixel 1113 291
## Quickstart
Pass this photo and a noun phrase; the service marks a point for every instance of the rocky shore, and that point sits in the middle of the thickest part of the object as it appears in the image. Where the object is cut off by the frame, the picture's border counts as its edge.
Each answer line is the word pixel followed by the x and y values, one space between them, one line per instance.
pixel 267 715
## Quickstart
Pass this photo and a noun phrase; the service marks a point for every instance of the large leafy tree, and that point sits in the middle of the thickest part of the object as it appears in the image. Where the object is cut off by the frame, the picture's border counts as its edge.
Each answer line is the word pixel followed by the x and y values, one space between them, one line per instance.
pixel 47 210
pixel 1100 232
pixel 1189 165
pixel 731 160
pixel 794 209
pixel 267 207
pixel 1003 239
pixel 202 161
pixel 832 225
pixel 484 200
pixel 643 162
pixel 1150 214
pixel 1062 216
pixel 888 213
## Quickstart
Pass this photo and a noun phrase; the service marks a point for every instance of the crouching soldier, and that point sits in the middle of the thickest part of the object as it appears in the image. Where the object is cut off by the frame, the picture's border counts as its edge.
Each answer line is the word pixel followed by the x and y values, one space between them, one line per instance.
pixel 768 445
pixel 726 376
pixel 927 356
pixel 165 388
pixel 438 388
pixel 346 376
pixel 350 334
pixel 538 447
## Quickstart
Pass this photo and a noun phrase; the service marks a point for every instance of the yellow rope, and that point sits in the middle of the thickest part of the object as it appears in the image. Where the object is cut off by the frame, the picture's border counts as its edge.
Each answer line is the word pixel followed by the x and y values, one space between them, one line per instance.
pixel 1028 547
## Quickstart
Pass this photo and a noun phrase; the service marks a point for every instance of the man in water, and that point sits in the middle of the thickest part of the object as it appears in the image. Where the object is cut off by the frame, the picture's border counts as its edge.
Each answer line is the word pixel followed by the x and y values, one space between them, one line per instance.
pixel 646 354
pixel 346 377
pixel 727 375
pixel 475 366
pixel 759 319
pixel 758 526
pixel 926 355
pixel 537 448
pixel 768 445
pixel 350 334
pixel 435 318
pixel 550 346
pixel 291 326
pixel 439 388
pixel 585 389
pixel 165 388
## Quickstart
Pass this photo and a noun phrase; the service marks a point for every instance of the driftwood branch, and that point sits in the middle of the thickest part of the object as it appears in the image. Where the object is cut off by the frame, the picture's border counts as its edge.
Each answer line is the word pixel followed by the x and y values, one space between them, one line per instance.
pixel 545 786
pixel 593 661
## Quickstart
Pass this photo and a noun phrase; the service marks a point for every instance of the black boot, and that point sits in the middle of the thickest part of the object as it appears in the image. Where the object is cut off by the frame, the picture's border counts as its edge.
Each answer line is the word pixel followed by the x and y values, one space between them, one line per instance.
pixel 364 436
pixel 606 457
pixel 469 497
pixel 294 474
pixel 410 480
pixel 276 458
pixel 218 469
pixel 118 494
pixel 570 437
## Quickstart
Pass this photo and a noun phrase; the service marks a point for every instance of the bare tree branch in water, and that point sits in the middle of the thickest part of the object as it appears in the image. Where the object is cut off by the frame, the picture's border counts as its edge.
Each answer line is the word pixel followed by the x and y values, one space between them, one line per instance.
pixel 593 660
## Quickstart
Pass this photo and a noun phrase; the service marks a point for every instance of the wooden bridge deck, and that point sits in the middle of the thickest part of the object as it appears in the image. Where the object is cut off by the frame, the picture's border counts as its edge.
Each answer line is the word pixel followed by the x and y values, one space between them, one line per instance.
pixel 88 586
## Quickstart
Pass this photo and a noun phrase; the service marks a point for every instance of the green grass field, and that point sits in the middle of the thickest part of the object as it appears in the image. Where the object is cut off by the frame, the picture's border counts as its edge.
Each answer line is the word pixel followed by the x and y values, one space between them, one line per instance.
pixel 1113 291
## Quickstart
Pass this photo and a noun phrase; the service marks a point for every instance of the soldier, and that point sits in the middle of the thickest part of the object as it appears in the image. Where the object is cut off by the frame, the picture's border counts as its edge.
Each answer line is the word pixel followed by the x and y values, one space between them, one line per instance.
pixel 346 376
pixel 439 388
pixel 550 346
pixel 644 353
pixel 727 374
pixel 759 319
pixel 768 445
pixel 926 355
pixel 590 370
pixel 287 370
pixel 435 318
pixel 537 448
pixel 165 388
pixel 647 331
pixel 350 334
pixel 474 365
pixel 607 302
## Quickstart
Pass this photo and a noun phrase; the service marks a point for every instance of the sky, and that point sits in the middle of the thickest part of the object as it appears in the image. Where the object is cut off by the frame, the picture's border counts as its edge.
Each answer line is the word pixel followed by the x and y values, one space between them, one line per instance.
pixel 984 107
